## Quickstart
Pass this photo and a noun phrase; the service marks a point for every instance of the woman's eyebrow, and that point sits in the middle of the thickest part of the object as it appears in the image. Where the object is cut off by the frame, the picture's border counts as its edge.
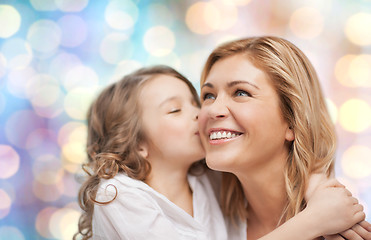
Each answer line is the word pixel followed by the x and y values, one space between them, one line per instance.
pixel 207 85
pixel 233 83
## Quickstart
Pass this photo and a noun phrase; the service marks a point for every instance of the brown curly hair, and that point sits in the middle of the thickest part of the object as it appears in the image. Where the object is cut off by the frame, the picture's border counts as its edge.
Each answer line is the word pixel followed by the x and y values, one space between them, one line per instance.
pixel 114 132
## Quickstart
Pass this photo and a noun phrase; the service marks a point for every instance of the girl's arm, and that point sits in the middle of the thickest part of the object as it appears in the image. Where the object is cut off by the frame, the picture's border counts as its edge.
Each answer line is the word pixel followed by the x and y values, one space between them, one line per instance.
pixel 331 209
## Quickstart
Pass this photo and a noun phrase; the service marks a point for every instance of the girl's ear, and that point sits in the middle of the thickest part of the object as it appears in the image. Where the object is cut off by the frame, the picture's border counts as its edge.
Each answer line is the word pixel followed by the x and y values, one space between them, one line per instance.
pixel 290 135
pixel 143 150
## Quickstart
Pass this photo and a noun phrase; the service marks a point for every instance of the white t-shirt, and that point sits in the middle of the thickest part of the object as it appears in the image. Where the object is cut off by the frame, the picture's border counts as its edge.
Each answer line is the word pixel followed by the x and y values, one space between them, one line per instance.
pixel 141 213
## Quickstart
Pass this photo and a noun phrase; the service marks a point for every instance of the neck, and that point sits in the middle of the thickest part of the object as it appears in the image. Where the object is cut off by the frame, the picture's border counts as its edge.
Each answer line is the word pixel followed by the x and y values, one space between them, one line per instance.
pixel 173 184
pixel 266 196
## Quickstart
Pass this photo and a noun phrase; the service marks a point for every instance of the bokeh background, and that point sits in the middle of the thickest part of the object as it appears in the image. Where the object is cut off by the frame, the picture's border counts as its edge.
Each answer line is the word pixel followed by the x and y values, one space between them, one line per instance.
pixel 55 55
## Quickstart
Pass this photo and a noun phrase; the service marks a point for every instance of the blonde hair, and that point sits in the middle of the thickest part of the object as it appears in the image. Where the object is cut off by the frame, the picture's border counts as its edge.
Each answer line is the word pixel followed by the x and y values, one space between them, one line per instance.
pixel 114 132
pixel 303 107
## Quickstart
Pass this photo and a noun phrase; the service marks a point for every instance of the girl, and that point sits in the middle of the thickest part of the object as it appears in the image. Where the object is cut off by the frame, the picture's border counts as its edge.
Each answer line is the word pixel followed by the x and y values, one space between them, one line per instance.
pixel 146 180
pixel 264 121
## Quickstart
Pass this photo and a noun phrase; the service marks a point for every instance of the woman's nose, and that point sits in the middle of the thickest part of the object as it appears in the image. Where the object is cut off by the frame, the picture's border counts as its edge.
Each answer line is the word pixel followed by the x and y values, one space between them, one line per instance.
pixel 218 109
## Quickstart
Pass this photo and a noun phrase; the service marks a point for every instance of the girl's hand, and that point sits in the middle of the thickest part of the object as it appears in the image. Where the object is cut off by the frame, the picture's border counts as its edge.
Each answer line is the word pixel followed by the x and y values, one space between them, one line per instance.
pixel 332 209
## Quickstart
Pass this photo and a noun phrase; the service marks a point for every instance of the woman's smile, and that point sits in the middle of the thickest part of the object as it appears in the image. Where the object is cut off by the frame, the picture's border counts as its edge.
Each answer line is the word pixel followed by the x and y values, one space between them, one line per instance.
pixel 221 135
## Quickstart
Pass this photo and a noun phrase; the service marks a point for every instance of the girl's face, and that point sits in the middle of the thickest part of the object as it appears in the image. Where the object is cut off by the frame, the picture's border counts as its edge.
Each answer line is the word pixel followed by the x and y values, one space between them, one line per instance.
pixel 241 125
pixel 169 113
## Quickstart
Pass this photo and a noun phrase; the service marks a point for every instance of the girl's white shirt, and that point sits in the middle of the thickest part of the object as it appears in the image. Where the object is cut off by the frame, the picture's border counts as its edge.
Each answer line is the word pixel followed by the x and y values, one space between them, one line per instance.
pixel 139 212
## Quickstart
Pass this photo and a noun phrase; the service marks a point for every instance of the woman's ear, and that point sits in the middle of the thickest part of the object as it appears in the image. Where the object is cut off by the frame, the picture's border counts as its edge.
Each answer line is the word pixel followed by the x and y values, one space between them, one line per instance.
pixel 290 135
pixel 143 150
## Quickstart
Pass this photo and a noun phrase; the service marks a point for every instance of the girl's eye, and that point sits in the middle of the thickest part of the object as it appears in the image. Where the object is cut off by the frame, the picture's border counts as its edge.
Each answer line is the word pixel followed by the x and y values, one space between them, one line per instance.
pixel 208 96
pixel 175 110
pixel 242 93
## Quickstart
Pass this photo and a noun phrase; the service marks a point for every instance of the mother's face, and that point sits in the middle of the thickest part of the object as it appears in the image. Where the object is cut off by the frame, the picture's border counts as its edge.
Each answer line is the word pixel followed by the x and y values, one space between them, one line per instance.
pixel 241 125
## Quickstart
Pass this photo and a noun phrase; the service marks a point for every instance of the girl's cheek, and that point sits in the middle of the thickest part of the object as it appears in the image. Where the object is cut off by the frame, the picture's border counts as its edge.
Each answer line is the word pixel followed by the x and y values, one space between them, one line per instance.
pixel 202 119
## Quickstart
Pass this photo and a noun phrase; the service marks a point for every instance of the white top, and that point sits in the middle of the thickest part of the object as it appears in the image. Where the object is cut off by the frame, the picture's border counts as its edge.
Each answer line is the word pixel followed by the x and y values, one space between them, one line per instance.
pixel 139 212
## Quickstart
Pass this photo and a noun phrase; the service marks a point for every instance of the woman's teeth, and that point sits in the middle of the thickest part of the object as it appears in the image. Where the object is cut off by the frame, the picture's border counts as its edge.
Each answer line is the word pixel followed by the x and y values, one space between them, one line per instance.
pixel 222 135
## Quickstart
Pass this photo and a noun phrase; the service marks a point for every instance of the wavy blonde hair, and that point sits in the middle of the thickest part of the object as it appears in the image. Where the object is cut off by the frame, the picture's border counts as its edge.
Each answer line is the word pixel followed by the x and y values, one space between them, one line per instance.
pixel 303 107
pixel 114 132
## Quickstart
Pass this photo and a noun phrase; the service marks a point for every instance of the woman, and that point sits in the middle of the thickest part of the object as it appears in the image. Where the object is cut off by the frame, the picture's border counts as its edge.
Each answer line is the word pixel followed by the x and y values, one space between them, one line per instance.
pixel 264 121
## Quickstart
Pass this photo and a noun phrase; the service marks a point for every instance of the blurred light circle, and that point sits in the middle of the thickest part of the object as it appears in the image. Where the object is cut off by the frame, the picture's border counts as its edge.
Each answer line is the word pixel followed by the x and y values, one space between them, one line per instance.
pixel 171 60
pixel 10 21
pixel 71 5
pixel 198 59
pixel 69 224
pixel 355 115
pixel 159 14
pixel 3 65
pixel 43 90
pixel 73 205
pixel 203 18
pixel 342 70
pixel 77 102
pixel 121 14
pixel 53 110
pixel 48 192
pixel 79 134
pixel 159 41
pixel 74 30
pixel 19 126
pixel 225 38
pixel 302 27
pixel 47 169
pixel 74 152
pixel 47 146
pixel 42 221
pixel 9 163
pixel 228 12
pixel 18 80
pixel 71 167
pixel 72 138
pixel 356 161
pixel 72 186
pixel 354 70
pixel 238 2
pixel 17 52
pixel 70 131
pixel 332 109
pixel 63 223
pixel 9 233
pixel 62 64
pixel 39 137
pixel 116 47
pixel 5 204
pixel 358 30
pixel 360 70
pixel 2 103
pixel 81 77
pixel 44 36
pixel 43 5
pixel 125 67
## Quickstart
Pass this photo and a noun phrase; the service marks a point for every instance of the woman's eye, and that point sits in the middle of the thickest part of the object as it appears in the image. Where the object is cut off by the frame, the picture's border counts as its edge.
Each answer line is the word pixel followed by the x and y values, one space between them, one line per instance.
pixel 208 96
pixel 175 110
pixel 242 93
